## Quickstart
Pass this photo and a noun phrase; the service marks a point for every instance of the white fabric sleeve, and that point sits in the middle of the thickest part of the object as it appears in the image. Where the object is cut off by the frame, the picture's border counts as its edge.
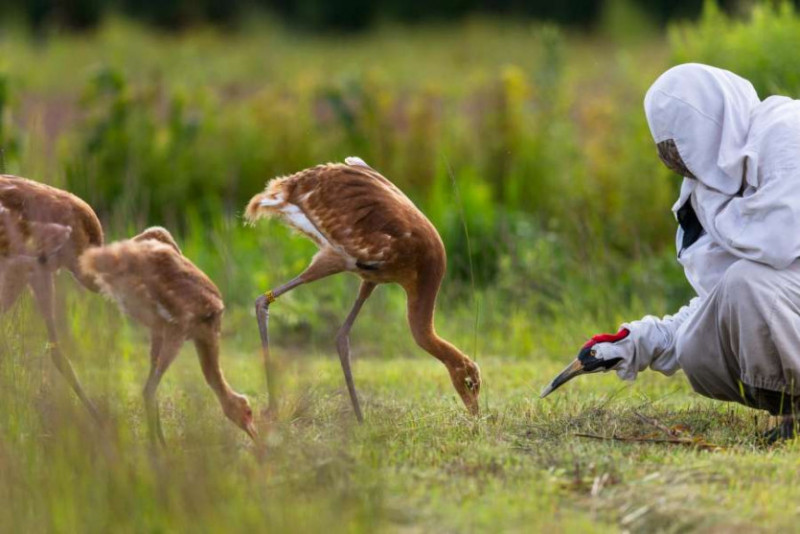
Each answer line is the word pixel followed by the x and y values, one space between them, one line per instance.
pixel 651 343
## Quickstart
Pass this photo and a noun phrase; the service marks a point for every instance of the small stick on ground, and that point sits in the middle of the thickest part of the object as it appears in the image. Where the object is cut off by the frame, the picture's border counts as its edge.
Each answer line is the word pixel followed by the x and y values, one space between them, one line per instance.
pixel 691 442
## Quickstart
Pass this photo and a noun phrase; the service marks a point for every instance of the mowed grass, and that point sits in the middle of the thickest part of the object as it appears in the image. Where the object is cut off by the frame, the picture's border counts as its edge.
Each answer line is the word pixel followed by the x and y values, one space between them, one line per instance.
pixel 417 464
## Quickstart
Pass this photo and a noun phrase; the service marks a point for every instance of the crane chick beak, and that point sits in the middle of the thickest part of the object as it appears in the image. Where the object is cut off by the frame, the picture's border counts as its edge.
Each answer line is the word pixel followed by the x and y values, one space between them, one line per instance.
pixel 250 428
pixel 571 371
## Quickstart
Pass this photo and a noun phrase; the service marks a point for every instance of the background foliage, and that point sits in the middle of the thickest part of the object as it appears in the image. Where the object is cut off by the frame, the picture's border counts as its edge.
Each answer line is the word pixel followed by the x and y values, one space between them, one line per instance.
pixel 534 138
pixel 325 15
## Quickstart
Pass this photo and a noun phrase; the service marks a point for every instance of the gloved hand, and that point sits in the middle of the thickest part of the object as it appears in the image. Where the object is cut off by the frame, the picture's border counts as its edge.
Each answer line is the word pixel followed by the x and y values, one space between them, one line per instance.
pixel 603 352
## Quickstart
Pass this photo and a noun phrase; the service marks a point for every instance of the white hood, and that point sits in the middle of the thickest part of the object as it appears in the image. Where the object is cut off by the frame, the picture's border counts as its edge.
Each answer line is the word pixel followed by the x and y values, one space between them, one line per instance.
pixel 706 111
pixel 745 155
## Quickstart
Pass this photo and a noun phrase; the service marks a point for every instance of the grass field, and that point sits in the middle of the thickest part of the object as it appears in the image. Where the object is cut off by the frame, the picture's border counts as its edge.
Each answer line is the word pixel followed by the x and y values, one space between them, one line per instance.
pixel 419 463
pixel 530 137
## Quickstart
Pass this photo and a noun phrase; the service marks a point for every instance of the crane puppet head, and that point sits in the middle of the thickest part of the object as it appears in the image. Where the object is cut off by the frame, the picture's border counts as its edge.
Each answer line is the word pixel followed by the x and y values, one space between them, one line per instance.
pixel 589 360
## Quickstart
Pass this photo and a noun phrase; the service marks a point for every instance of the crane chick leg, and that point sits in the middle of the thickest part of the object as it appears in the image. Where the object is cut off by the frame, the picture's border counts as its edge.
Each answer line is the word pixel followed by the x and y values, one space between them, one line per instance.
pixel 343 344
pixel 13 281
pixel 325 263
pixel 164 348
pixel 149 392
pixel 17 265
pixel 42 284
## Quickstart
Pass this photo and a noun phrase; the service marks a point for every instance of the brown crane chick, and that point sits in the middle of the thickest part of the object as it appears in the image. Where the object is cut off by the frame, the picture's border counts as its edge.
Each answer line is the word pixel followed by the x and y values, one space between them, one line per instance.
pixel 364 224
pixel 153 282
pixel 42 230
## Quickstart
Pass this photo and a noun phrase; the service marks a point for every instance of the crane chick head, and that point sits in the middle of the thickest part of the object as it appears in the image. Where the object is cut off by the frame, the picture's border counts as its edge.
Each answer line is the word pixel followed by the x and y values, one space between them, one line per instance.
pixel 237 409
pixel 467 381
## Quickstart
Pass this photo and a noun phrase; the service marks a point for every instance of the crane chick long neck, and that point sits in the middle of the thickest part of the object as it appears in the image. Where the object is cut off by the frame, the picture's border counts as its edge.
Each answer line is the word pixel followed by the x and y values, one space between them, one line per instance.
pixel 422 295
pixel 208 351
pixel 464 373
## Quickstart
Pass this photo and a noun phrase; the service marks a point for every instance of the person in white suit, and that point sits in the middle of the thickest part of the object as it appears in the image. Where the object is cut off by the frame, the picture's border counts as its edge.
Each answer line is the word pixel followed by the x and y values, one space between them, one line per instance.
pixel 738 241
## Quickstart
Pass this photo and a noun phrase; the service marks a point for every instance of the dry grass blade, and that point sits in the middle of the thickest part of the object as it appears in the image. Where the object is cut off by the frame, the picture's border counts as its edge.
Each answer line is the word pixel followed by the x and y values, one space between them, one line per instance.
pixel 654 422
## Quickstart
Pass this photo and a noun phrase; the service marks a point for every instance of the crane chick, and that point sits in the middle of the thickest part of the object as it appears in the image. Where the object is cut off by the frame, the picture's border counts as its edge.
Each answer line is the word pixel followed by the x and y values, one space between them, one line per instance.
pixel 43 230
pixel 153 282
pixel 363 224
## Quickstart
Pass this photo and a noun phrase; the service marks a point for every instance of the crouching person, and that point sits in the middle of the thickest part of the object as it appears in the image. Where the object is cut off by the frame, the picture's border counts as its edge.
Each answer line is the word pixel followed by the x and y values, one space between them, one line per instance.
pixel 738 241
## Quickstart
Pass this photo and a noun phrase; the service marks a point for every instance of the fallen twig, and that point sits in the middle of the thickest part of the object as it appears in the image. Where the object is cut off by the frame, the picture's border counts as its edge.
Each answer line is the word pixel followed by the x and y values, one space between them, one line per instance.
pixel 698 443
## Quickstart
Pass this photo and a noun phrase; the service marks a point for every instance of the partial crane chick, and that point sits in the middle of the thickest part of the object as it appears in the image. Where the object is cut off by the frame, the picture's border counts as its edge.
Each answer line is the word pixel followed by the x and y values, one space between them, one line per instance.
pixel 363 224
pixel 153 282
pixel 42 230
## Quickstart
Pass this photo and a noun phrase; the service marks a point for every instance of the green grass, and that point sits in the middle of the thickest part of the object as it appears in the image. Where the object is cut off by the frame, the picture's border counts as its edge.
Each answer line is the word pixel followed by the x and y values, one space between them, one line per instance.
pixel 418 463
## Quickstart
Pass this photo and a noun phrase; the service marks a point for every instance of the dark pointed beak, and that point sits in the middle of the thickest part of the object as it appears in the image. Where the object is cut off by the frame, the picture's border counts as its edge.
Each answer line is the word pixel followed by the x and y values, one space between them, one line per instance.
pixel 571 371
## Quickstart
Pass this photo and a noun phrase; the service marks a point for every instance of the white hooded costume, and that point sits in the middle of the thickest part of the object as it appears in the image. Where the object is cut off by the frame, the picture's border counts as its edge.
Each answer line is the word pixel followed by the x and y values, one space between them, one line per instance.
pixel 740 338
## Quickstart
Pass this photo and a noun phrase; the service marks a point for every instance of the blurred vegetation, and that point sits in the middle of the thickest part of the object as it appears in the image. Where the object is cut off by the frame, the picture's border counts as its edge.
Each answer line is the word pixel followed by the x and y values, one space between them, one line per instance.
pixel 763 47
pixel 326 15
pixel 533 140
